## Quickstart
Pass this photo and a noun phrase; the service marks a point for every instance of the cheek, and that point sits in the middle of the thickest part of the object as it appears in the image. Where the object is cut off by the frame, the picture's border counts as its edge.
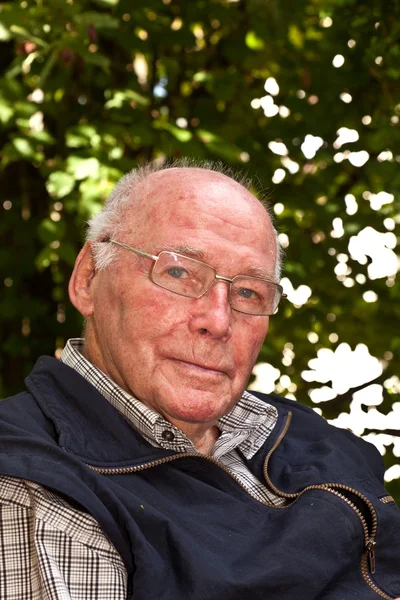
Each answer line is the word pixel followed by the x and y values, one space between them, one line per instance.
pixel 248 345
pixel 146 313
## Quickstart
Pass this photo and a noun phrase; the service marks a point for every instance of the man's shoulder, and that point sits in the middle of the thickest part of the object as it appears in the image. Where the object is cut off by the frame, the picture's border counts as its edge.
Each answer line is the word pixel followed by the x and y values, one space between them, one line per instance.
pixel 22 411
pixel 310 435
pixel 28 430
pixel 53 394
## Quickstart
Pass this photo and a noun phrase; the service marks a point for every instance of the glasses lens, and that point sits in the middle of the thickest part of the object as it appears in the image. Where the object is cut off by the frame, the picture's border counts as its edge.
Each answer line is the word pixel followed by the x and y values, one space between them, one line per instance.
pixel 182 275
pixel 255 296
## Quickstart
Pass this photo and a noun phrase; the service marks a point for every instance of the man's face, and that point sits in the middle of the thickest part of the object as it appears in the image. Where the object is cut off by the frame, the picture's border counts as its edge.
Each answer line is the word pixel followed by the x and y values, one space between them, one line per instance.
pixel 189 359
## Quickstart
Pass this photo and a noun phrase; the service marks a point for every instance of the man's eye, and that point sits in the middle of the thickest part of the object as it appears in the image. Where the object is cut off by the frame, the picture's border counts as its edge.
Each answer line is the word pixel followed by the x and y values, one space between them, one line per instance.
pixel 177 272
pixel 247 294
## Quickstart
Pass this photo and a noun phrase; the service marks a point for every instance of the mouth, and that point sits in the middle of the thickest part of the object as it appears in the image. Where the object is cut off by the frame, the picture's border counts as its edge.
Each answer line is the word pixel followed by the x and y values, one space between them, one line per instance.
pixel 201 369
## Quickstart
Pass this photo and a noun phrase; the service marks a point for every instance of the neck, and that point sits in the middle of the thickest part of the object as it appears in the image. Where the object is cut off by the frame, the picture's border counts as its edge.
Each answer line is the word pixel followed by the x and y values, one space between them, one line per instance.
pixel 203 437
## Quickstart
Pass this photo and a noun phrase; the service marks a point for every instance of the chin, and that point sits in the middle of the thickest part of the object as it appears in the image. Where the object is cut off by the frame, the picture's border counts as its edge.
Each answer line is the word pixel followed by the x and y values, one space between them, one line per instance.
pixel 204 408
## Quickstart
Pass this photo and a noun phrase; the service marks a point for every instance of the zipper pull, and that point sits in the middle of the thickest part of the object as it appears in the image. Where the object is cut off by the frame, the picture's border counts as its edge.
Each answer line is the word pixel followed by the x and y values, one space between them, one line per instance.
pixel 371 554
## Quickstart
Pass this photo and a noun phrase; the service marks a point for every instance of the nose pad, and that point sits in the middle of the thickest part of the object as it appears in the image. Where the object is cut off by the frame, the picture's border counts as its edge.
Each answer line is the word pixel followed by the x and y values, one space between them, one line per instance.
pixel 218 279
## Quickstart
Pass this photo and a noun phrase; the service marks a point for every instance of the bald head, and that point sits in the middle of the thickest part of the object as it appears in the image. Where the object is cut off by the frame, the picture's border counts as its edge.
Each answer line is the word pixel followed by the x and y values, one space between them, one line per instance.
pixel 148 194
pixel 190 177
pixel 193 188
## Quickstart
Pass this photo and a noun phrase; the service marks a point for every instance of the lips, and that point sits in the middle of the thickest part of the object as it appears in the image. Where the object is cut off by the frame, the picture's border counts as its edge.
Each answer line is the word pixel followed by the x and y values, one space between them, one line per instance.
pixel 202 367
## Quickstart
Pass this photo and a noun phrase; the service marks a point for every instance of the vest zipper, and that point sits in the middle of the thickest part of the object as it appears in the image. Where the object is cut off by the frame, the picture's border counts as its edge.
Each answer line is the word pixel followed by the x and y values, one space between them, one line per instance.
pixel 387 500
pixel 368 557
pixel 167 459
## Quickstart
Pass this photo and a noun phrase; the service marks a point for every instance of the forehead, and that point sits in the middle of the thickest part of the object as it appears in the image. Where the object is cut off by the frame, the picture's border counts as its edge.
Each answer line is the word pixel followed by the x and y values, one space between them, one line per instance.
pixel 204 210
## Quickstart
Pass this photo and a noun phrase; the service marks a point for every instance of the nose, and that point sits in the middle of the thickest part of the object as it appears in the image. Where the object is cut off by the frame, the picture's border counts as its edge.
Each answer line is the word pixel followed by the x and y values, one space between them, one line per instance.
pixel 212 312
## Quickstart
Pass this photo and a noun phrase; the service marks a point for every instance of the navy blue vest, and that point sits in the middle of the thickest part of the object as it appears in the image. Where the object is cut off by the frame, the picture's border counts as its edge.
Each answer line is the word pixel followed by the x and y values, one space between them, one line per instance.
pixel 185 528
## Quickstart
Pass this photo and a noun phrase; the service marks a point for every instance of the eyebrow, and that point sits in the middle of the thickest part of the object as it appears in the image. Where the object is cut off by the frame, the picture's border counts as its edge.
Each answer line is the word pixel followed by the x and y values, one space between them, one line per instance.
pixel 260 272
pixel 198 254
pixel 182 249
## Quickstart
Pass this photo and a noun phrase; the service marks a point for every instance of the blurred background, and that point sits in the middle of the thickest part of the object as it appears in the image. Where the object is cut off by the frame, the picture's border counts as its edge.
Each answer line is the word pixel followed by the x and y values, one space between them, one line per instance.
pixel 303 95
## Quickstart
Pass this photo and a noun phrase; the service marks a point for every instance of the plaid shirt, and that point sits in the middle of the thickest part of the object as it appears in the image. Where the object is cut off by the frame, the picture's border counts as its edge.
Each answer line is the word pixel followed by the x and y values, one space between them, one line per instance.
pixel 50 550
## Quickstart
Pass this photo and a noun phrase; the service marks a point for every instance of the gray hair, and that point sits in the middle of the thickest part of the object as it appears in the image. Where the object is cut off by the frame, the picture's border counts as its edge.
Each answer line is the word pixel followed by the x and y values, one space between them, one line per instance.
pixel 109 223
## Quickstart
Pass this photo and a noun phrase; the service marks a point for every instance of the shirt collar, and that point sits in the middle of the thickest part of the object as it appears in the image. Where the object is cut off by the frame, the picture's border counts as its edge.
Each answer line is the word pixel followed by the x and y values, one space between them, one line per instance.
pixel 246 427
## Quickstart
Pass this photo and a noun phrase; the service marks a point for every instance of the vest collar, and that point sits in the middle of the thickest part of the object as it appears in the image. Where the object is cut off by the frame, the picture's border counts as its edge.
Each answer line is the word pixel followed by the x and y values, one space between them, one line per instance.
pixel 87 425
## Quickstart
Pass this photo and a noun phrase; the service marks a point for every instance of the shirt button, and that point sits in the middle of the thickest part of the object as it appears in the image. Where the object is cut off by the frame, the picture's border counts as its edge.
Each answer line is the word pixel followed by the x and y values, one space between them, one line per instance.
pixel 167 435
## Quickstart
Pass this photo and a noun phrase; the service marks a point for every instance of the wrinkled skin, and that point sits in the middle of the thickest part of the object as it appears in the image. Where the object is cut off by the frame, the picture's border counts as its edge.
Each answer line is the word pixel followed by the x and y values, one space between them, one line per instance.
pixel 189 359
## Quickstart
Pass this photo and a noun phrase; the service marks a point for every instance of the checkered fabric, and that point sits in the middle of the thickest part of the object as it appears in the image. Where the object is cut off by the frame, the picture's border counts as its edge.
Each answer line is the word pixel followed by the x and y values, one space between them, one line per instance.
pixel 50 550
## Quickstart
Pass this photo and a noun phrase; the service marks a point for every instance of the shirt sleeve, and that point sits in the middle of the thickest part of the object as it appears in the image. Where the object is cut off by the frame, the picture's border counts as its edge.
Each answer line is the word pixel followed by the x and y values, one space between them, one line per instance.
pixel 50 550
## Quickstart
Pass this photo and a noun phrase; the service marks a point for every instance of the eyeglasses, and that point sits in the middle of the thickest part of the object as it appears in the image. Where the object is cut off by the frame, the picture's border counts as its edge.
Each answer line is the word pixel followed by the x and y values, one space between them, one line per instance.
pixel 192 278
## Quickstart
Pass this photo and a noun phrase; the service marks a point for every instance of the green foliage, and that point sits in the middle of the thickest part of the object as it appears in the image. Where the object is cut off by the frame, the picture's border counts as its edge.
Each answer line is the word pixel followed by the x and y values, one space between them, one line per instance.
pixel 91 89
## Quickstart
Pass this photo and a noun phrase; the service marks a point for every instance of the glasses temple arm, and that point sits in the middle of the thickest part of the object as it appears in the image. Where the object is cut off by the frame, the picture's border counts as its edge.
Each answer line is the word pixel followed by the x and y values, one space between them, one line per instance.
pixel 132 249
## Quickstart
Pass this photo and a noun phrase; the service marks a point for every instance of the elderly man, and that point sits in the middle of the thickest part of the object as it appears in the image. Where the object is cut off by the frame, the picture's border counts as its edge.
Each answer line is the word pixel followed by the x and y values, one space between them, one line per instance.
pixel 138 467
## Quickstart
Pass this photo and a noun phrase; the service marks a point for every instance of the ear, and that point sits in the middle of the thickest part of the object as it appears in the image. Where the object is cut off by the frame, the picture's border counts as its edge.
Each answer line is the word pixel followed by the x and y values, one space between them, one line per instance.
pixel 81 283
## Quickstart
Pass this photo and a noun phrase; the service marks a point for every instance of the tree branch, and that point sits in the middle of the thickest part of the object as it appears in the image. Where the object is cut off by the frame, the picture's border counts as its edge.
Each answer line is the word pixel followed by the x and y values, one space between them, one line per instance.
pixel 347 396
pixel 394 432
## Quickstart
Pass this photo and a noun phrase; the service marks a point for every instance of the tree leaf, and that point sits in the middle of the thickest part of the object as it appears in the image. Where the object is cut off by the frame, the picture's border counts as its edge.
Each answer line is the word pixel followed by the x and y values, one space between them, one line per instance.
pixel 97 19
pixel 60 184
pixel 6 112
pixel 80 168
pixel 253 41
